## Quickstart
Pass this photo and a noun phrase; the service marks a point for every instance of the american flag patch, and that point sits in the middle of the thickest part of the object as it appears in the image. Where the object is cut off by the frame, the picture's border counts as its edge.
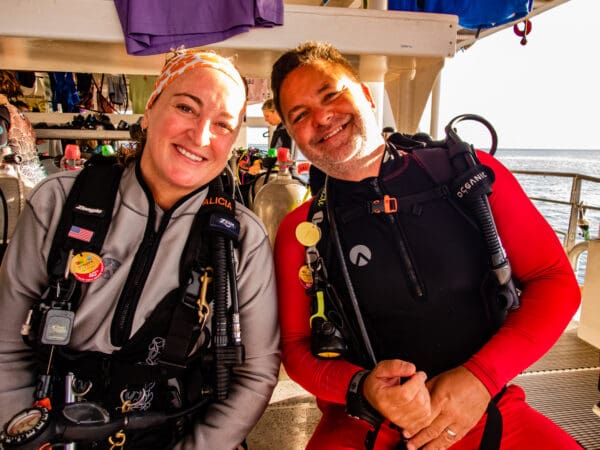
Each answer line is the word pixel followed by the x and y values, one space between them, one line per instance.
pixel 80 234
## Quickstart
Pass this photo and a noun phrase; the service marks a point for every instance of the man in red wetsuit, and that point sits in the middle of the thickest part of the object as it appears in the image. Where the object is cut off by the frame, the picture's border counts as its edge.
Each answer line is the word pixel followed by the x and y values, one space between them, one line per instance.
pixel 430 364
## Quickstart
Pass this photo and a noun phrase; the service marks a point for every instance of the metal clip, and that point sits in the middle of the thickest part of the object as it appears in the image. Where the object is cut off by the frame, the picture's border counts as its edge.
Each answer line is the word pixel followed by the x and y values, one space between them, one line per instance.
pixel 203 308
pixel 68 265
pixel 117 444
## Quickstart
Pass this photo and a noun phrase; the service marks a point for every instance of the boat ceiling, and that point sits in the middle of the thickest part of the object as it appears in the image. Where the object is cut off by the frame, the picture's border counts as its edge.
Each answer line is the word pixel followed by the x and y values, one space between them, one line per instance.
pixel 86 35
pixel 406 50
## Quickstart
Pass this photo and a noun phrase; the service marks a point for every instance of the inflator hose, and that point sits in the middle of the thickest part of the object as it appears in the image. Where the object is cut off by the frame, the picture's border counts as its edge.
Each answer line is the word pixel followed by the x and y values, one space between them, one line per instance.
pixel 463 158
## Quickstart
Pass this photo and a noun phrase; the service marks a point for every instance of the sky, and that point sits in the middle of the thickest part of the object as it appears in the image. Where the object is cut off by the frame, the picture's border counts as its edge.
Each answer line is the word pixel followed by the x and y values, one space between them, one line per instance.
pixel 545 94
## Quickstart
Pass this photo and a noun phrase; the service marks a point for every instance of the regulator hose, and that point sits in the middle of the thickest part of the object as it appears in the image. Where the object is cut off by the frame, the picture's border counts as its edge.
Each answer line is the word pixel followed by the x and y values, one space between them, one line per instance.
pixel 221 287
pixel 78 422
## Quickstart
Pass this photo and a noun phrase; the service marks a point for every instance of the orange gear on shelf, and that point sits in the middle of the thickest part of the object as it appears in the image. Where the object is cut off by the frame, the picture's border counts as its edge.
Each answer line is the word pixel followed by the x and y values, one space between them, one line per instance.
pixel 256 167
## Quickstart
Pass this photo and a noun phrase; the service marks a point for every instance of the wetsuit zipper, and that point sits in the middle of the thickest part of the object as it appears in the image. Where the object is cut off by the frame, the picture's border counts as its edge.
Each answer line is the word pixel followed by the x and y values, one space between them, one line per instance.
pixel 142 263
pixel 412 277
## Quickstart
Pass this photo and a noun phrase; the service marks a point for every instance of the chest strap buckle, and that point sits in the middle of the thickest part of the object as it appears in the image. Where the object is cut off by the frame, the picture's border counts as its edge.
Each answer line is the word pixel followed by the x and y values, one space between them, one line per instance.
pixel 386 205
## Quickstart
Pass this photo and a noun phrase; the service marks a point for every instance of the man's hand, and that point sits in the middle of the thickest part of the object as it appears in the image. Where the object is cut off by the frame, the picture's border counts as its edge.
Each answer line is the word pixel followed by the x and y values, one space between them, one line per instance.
pixel 458 401
pixel 407 404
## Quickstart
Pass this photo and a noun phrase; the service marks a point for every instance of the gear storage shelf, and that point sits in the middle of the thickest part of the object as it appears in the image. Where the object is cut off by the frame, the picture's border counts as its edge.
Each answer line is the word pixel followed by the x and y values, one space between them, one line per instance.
pixel 86 36
pixel 57 127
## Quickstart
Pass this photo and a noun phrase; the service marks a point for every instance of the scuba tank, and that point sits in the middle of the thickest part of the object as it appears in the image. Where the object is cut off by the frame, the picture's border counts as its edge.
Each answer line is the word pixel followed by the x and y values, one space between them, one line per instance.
pixel 264 176
pixel 279 196
pixel 72 158
pixel 12 196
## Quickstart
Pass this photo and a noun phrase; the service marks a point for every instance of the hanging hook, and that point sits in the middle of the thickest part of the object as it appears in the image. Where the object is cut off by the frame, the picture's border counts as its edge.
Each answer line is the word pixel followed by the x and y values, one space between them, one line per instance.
pixel 523 32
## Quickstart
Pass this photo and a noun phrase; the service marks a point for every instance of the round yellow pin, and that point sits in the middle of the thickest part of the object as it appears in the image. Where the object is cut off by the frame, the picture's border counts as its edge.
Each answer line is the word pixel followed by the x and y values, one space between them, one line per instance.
pixel 305 276
pixel 308 234
pixel 86 267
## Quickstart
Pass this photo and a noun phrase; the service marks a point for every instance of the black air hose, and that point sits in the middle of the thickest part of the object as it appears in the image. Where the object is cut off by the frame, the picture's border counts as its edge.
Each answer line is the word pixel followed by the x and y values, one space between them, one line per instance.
pixel 4 227
pixel 463 158
pixel 221 287
pixel 478 204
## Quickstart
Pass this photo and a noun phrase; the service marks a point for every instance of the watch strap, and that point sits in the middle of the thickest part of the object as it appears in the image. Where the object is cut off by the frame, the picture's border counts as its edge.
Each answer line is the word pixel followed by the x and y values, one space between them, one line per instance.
pixel 357 405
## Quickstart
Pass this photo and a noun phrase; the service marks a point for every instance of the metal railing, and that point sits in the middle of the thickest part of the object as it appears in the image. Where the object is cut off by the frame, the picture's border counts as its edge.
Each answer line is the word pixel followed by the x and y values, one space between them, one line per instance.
pixel 576 204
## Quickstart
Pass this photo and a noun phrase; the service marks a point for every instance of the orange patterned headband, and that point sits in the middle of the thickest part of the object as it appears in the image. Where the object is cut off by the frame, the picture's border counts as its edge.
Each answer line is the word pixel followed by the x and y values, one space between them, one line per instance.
pixel 185 60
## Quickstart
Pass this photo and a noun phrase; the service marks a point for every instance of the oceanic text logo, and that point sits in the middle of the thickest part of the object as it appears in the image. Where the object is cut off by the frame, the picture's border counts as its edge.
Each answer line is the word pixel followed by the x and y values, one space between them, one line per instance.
pixel 465 189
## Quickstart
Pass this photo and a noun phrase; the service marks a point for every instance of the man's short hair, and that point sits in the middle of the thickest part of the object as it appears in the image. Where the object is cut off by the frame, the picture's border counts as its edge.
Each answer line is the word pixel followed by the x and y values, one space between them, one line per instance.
pixel 268 105
pixel 307 53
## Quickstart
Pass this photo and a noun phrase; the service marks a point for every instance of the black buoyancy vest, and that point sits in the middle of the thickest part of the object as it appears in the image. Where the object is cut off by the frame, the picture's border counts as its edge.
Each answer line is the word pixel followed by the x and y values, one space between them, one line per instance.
pixel 161 350
pixel 417 272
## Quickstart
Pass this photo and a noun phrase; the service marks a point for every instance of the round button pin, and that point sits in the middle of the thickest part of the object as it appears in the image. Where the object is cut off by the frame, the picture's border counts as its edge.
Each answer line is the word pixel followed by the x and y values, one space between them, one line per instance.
pixel 308 234
pixel 305 276
pixel 86 267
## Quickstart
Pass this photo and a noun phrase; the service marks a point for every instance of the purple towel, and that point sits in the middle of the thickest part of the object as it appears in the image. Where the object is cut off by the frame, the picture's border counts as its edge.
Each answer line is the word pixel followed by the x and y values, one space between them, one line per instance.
pixel 157 26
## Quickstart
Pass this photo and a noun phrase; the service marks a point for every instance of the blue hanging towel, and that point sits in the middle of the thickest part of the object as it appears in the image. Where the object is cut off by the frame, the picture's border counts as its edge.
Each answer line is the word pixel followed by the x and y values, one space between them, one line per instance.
pixel 472 14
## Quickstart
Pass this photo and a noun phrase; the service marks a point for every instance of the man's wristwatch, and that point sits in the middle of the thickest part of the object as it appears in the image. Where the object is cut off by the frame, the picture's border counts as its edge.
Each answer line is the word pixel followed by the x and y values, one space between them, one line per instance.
pixel 357 405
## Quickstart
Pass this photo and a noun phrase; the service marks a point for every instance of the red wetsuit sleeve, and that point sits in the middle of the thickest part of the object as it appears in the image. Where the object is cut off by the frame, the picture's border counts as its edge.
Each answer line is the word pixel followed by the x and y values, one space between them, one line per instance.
pixel 550 295
pixel 327 380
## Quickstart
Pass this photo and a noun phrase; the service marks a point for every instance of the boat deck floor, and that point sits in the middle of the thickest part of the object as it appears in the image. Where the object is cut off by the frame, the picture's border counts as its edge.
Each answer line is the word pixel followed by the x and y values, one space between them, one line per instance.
pixel 563 385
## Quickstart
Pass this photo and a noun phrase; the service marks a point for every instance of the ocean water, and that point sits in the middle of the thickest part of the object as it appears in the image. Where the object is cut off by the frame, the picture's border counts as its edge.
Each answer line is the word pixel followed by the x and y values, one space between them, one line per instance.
pixel 584 162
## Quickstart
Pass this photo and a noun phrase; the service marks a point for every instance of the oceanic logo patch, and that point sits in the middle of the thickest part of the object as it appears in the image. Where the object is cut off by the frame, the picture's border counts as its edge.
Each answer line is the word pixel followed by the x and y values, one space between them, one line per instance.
pixel 360 255
pixel 465 188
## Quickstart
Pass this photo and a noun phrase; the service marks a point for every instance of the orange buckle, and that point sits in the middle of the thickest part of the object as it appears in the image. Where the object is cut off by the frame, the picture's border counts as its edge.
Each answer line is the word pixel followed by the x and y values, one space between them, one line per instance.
pixel 44 402
pixel 387 206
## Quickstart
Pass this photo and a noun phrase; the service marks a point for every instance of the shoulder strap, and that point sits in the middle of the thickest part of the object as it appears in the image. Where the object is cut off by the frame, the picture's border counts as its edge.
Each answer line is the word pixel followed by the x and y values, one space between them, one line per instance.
pixel 213 230
pixel 450 162
pixel 469 183
pixel 87 212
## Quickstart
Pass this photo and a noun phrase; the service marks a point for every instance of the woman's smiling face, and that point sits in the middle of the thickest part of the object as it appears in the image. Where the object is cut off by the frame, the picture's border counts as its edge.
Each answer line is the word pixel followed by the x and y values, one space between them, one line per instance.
pixel 191 129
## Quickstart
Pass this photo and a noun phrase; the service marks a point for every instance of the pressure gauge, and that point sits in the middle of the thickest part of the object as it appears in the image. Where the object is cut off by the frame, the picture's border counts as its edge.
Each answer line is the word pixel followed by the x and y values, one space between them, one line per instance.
pixel 25 426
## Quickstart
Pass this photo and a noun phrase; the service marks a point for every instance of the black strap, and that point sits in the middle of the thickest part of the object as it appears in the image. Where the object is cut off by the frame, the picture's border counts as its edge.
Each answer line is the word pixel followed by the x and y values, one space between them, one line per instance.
pixel 217 215
pixel 4 243
pixel 492 433
pixel 436 162
pixel 357 405
pixel 87 212
pixel 179 340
